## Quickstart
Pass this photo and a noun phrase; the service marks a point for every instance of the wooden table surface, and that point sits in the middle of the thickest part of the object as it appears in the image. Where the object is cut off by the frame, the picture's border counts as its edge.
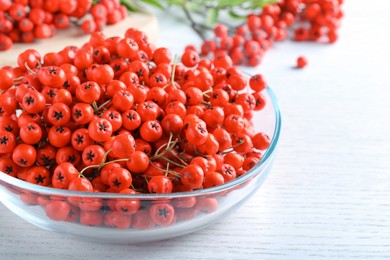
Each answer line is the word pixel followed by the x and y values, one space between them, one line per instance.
pixel 327 196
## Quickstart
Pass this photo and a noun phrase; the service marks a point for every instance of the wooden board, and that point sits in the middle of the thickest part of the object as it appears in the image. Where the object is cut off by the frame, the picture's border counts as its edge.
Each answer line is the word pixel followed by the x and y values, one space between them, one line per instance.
pixel 75 36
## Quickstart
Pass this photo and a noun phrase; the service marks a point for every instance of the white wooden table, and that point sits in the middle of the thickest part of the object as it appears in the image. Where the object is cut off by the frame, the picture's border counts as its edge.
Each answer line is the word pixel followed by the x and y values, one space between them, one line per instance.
pixel 328 194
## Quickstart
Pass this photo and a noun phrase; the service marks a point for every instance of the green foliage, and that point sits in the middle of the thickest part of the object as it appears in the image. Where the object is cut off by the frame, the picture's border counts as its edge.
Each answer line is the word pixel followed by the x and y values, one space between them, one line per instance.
pixel 211 7
pixel 211 16
pixel 204 14
pixel 154 3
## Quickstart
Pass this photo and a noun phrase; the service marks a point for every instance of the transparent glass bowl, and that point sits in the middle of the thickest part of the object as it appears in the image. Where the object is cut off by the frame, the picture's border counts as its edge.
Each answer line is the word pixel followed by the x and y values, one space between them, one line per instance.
pixel 191 211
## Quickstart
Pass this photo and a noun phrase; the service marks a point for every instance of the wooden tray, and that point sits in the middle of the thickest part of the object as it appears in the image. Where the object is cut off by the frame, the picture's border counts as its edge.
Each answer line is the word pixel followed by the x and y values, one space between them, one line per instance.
pixel 74 36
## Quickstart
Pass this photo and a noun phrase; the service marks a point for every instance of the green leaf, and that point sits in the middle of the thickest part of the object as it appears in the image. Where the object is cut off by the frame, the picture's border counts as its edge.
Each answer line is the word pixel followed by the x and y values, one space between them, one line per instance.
pixel 176 2
pixel 154 3
pixel 230 3
pixel 191 6
pixel 261 3
pixel 212 16
pixel 236 15
pixel 129 5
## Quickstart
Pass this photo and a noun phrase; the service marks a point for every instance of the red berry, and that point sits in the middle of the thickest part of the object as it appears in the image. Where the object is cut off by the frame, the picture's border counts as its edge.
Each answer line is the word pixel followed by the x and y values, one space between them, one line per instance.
pixel 301 62
pixel 5 42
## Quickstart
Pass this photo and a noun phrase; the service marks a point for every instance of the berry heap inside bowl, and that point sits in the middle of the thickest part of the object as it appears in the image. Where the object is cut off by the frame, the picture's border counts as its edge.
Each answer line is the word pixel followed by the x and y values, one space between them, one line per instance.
pixel 117 133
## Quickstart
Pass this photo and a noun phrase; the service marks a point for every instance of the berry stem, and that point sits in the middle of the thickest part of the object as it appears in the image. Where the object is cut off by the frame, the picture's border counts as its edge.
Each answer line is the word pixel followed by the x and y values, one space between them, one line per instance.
pixel 177 174
pixel 157 154
pixel 181 160
pixel 207 103
pixel 231 149
pixel 102 165
pixel 173 70
pixel 102 105
pixel 173 162
pixel 30 70
pixel 169 146
pixel 94 105
pixel 167 169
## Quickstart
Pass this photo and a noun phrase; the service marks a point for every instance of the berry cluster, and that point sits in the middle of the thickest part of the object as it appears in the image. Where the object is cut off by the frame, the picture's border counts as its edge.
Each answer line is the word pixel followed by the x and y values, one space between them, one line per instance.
pixel 318 20
pixel 25 21
pixel 117 115
pixel 310 20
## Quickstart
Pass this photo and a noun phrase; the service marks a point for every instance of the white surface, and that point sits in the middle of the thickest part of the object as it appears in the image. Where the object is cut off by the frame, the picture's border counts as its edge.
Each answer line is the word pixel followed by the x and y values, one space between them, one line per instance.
pixel 328 194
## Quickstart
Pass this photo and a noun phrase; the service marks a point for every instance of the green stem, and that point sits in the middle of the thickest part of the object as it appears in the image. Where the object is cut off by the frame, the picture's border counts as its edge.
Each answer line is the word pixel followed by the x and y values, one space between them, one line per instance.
pixel 129 5
pixel 180 159
pixel 157 154
pixel 99 166
pixel 93 104
pixel 167 169
pixel 178 174
pixel 102 105
pixel 174 70
pixel 169 145
pixel 194 25
pixel 173 162
pixel 231 149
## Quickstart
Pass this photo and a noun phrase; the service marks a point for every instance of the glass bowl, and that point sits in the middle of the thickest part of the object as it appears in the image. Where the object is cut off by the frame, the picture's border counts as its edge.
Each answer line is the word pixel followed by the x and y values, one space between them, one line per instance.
pixel 160 216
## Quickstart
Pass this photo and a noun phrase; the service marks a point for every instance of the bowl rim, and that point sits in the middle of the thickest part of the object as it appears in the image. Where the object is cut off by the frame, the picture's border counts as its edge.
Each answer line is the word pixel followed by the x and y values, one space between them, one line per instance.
pixel 265 160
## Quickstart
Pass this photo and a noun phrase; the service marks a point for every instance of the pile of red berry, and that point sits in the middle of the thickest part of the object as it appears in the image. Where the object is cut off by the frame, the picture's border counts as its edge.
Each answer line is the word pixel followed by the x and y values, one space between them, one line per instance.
pixel 117 115
pixel 120 99
pixel 309 20
pixel 27 20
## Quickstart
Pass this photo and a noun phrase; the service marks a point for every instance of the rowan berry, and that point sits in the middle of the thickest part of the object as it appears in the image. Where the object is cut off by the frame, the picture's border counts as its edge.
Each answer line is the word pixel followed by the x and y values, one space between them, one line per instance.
pixel 261 141
pixel 192 176
pixel 24 155
pixel 131 120
pixel 212 179
pixel 142 220
pixel 123 146
pixel 176 108
pixel 59 136
pixel 46 155
pixel 119 179
pixel 114 117
pixel 9 167
pixel 33 102
pixel 249 163
pixel 117 219
pixel 207 205
pixel 210 147
pixel 8 105
pixel 196 134
pixel 138 162
pixel 6 76
pixel 162 214
pixel 88 92
pixel 228 172
pixel 220 30
pixel 39 175
pixel 301 62
pixel 190 59
pixel 58 114
pixel 7 142
pixel 151 131
pixel 91 218
pixel 58 210
pixel 127 48
pixel 30 133
pixel 82 113
pixel 160 184
pixel 63 174
pixel 68 154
